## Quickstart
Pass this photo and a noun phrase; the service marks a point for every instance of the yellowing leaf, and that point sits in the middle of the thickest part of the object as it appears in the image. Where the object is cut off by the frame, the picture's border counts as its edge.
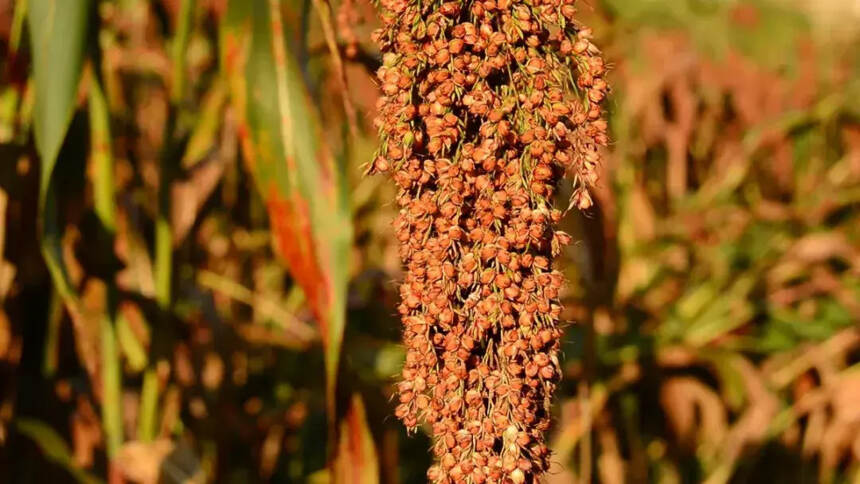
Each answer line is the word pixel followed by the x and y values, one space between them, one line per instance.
pixel 293 168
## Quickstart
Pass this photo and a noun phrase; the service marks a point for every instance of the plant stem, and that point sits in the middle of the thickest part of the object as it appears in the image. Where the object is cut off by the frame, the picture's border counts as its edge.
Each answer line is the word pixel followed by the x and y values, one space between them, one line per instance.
pixel 17 25
pixel 112 388
pixel 148 406
pixel 178 49
pixel 105 208
pixel 163 232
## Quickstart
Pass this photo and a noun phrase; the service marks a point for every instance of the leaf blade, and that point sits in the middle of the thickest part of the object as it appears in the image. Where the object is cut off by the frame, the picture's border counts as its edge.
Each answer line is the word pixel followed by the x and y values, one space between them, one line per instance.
pixel 294 170
pixel 54 448
pixel 58 42
pixel 58 45
pixel 356 461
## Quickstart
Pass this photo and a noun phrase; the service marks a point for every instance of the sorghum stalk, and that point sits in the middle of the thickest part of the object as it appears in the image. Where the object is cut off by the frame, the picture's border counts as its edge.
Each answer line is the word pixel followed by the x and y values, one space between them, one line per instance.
pixel 485 106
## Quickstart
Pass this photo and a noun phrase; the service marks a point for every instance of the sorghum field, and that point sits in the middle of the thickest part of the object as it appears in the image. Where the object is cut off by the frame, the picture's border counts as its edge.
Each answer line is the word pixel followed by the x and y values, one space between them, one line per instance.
pixel 447 241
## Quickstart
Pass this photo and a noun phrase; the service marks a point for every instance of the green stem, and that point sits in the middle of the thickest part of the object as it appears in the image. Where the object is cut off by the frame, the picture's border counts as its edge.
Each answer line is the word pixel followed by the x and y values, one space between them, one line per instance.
pixel 112 388
pixel 130 346
pixel 8 113
pixel 163 249
pixel 163 232
pixel 100 138
pixel 148 406
pixel 17 25
pixel 105 208
pixel 178 49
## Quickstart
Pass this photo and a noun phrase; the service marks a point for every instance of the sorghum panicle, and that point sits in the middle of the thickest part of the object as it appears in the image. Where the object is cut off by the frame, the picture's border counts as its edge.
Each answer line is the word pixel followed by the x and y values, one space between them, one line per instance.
pixel 485 106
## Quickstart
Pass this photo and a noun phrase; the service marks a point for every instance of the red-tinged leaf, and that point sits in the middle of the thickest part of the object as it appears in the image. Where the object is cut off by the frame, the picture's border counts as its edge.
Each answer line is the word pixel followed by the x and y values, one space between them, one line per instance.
pixel 356 461
pixel 294 170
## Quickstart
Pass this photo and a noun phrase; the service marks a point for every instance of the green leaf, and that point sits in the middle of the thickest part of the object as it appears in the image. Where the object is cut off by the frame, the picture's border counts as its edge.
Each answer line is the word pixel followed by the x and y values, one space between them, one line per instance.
pixel 731 380
pixel 722 315
pixel 102 153
pixel 205 133
pixel 54 447
pixel 105 207
pixel 179 46
pixel 17 25
pixel 293 168
pixel 58 32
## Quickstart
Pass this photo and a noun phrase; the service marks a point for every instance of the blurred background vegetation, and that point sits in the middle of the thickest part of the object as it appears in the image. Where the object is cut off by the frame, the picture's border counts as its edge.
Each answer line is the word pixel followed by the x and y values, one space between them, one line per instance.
pixel 197 284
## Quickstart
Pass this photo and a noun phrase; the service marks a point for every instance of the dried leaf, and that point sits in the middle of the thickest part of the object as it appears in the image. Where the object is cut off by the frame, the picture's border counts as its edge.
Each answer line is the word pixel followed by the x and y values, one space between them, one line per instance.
pixel 141 461
pixel 86 433
pixel 694 411
pixel 356 461
pixel 188 196
pixel 610 465
pixel 270 451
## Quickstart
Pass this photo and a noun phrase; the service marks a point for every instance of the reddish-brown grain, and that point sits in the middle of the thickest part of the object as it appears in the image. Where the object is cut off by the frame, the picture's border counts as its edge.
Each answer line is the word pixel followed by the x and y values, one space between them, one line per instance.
pixel 485 106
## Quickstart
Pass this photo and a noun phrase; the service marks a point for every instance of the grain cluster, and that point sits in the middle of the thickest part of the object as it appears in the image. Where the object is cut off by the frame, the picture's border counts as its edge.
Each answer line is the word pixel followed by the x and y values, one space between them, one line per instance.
pixel 486 106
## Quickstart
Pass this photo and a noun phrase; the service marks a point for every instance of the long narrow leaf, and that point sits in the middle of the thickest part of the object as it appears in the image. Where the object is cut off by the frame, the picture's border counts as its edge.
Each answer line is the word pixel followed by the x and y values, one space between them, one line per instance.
pixel 54 448
pixel 293 168
pixel 57 39
pixel 356 461
pixel 105 206
pixel 58 33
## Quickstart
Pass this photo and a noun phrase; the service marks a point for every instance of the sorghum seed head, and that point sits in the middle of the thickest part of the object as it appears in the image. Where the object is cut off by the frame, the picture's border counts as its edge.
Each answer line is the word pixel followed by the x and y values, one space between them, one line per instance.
pixel 478 126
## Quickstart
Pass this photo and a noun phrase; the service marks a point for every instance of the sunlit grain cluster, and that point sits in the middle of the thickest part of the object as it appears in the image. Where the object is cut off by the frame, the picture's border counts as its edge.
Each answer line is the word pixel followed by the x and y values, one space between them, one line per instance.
pixel 485 107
